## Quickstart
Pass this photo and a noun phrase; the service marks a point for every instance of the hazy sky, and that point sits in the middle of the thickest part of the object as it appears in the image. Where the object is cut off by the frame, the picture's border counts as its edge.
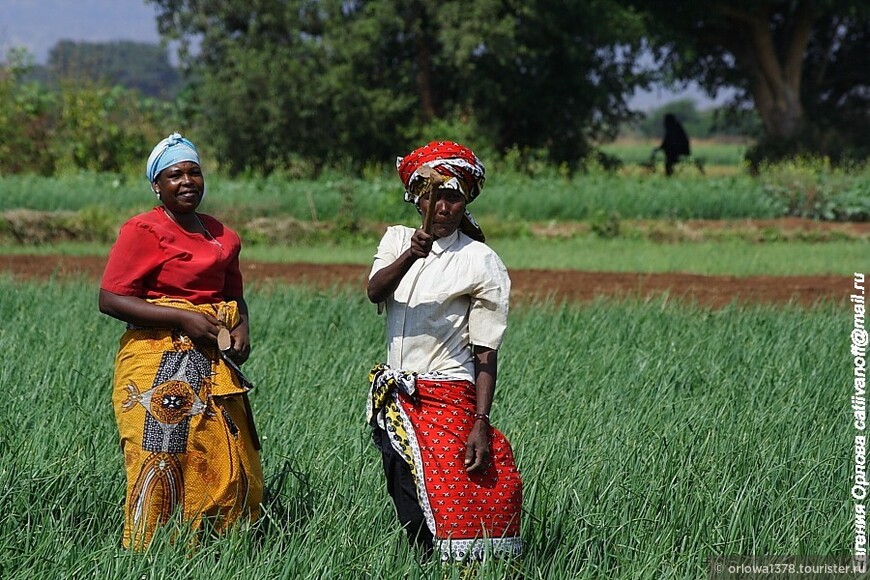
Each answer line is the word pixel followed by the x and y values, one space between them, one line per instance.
pixel 38 25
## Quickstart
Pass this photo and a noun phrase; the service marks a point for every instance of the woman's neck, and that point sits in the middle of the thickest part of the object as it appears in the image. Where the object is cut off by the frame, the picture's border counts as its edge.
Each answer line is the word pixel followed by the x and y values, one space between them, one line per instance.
pixel 187 221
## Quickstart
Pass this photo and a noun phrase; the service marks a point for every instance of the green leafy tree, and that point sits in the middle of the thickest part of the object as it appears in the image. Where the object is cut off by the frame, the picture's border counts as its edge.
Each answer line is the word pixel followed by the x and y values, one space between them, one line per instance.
pixel 559 76
pixel 803 64
pixel 359 80
pixel 276 82
pixel 102 128
pixel 26 118
pixel 72 124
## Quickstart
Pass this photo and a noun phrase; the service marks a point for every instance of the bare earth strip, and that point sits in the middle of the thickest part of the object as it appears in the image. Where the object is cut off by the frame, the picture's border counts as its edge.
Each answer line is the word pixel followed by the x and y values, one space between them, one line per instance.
pixel 714 291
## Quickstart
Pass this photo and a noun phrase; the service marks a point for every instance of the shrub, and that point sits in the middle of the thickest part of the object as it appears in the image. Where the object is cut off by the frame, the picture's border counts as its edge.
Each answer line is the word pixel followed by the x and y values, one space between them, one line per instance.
pixel 79 125
pixel 605 224
pixel 809 187
pixel 26 117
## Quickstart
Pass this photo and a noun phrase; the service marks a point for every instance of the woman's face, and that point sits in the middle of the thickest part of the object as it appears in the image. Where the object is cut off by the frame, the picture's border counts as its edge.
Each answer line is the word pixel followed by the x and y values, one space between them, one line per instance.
pixel 181 187
pixel 449 210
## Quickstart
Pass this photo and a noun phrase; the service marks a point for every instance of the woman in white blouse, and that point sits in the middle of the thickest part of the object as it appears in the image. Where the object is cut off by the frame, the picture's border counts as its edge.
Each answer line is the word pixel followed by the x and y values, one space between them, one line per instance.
pixel 451 476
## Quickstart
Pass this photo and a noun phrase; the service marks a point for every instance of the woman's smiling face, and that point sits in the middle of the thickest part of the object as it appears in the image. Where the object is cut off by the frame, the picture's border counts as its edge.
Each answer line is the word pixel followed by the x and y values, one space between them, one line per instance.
pixel 181 187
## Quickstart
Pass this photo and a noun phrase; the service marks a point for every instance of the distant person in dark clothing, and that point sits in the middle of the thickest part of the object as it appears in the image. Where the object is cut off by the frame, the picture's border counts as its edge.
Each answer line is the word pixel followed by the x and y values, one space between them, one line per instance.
pixel 675 144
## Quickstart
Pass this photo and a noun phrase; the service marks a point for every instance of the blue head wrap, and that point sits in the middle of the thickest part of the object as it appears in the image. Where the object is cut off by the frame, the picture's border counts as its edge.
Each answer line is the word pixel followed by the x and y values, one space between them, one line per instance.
pixel 174 149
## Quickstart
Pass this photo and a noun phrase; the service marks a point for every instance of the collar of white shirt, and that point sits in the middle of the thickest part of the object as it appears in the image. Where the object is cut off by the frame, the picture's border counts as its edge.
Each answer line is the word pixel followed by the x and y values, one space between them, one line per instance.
pixel 441 244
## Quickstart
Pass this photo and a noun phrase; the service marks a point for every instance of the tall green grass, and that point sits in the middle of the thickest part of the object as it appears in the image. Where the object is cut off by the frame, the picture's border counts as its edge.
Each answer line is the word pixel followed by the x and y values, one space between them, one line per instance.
pixel 506 197
pixel 807 187
pixel 650 437
pixel 731 257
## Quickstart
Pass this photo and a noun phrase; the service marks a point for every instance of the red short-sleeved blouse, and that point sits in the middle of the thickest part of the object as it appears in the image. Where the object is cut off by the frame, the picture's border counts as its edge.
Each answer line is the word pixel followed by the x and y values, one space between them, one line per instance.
pixel 155 257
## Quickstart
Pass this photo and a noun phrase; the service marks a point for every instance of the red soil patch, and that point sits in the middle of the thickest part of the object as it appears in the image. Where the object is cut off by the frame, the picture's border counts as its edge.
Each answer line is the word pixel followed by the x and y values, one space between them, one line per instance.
pixel 715 291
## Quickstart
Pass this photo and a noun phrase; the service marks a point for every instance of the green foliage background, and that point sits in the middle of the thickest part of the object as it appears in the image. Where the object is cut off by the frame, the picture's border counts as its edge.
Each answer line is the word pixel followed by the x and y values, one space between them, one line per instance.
pixel 336 205
pixel 79 125
pixel 352 82
pixel 300 87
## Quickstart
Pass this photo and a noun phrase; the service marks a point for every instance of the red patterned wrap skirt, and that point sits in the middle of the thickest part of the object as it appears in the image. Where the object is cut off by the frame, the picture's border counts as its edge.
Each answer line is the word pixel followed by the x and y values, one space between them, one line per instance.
pixel 470 515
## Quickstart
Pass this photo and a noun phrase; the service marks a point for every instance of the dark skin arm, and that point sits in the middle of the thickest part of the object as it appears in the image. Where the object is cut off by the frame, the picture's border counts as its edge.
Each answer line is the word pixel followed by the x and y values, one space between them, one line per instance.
pixel 387 279
pixel 241 345
pixel 477 451
pixel 199 327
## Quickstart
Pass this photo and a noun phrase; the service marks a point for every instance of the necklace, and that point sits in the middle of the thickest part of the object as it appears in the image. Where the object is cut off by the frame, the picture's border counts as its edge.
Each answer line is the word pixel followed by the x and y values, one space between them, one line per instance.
pixel 211 238
pixel 208 234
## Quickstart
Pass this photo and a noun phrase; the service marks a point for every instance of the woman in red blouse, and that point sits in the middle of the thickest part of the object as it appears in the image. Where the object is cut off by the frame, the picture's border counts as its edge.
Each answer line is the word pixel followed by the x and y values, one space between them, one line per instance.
pixel 180 398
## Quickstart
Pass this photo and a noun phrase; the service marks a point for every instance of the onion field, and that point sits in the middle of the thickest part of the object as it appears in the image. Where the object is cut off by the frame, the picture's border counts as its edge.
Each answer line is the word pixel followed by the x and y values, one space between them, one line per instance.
pixel 651 436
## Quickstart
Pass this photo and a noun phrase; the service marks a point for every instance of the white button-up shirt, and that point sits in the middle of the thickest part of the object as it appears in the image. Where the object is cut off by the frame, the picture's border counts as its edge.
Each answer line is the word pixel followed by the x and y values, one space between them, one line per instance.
pixel 456 297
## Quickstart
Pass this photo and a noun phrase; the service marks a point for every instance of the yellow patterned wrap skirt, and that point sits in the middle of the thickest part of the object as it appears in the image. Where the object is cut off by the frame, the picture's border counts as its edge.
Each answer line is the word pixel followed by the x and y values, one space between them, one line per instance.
pixel 188 438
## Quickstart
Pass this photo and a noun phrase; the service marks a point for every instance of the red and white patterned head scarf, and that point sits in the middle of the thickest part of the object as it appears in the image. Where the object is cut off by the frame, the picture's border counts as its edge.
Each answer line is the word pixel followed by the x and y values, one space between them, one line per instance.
pixel 458 163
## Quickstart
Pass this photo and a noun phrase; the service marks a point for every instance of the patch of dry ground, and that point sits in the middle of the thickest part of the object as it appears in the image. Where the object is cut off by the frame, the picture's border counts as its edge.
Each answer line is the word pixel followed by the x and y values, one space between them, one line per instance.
pixel 714 291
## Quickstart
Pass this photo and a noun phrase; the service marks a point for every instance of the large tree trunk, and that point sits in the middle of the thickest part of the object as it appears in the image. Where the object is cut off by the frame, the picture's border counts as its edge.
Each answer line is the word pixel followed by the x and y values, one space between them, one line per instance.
pixel 424 78
pixel 420 25
pixel 775 77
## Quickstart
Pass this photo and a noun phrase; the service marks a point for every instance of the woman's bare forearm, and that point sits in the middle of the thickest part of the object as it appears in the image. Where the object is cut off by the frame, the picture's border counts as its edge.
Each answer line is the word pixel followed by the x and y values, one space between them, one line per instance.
pixel 386 280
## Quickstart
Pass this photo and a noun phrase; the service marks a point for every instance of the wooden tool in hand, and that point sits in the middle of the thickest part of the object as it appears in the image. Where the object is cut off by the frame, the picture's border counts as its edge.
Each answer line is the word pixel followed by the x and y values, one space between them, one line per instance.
pixel 431 182
pixel 224 340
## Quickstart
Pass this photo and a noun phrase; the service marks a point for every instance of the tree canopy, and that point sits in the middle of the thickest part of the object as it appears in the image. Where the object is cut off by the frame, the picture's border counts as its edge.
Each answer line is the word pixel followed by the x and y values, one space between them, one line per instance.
pixel 48 124
pixel 802 64
pixel 301 84
pixel 365 80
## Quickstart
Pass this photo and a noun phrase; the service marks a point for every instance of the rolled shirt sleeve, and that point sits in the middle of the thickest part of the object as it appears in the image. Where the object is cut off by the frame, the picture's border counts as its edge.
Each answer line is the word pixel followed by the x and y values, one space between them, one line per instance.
pixel 487 317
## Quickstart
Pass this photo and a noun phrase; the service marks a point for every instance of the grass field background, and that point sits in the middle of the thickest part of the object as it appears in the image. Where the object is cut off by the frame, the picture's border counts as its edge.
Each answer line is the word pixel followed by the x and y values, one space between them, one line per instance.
pixel 379 197
pixel 650 437
pixel 717 156
pixel 731 257
pixel 531 192
pixel 339 219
